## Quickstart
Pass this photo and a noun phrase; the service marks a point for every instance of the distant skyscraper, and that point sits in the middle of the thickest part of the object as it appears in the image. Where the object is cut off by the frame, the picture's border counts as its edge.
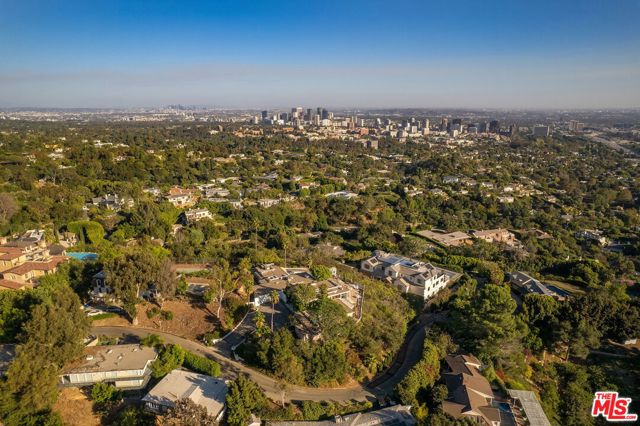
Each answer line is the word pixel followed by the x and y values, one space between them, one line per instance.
pixel 457 121
pixel 494 126
pixel 265 114
pixel 483 127
pixel 541 131
pixel 444 124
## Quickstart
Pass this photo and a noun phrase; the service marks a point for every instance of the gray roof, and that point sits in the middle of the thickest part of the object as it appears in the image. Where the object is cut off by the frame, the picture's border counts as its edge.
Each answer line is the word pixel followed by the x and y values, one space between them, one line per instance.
pixel 203 390
pixel 532 408
pixel 397 415
pixel 112 358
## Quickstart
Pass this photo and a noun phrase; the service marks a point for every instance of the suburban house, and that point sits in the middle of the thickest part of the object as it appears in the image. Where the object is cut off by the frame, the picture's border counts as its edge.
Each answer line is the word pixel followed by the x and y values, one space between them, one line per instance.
pixel 215 192
pixel 408 275
pixel 112 202
pixel 27 258
pixel 197 285
pixel 593 235
pixel 13 285
pixel 470 393
pixel 29 272
pixel 525 284
pixel 125 366
pixel 273 277
pixel 450 239
pixel 206 391
pixel 181 197
pixel 194 215
pixel 345 195
pixel 496 236
pixel 100 291
pixel 397 415
pixel 304 328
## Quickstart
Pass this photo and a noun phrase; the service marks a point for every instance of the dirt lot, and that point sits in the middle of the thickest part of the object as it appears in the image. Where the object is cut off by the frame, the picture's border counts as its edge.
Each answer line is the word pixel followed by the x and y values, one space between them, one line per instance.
pixel 75 409
pixel 190 319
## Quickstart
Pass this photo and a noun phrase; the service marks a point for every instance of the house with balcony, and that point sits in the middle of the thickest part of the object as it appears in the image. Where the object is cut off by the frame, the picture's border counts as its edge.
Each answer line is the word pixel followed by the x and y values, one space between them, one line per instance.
pixel 406 274
pixel 124 366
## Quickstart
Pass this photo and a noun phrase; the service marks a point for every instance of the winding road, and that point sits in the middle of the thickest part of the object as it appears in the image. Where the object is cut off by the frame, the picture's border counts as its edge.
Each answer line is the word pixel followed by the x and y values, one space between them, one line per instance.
pixel 408 355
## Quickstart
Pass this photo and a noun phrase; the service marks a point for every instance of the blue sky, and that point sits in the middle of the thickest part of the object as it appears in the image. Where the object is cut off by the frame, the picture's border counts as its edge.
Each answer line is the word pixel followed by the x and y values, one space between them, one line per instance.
pixel 240 53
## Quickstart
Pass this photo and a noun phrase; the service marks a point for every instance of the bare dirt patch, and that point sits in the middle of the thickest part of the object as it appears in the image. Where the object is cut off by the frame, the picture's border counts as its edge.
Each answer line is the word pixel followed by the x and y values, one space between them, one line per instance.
pixel 191 319
pixel 75 408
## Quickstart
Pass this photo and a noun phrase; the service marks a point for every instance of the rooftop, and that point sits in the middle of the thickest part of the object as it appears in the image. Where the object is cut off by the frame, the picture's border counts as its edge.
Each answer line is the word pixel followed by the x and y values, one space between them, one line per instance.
pixel 531 406
pixel 112 358
pixel 203 390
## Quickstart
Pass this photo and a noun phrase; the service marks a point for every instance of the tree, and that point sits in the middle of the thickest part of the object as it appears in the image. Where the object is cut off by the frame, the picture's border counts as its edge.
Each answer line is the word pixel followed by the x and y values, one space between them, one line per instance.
pixel 331 318
pixel 52 337
pixel 321 272
pixel 227 280
pixel 8 207
pixel 302 295
pixel 261 324
pixel 275 298
pixel 243 399
pixel 170 358
pixel 129 274
pixel 185 412
pixel 103 392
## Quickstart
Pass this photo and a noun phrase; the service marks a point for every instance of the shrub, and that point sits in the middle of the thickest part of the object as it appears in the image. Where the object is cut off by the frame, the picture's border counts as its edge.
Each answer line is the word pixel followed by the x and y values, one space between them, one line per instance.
pixel 154 311
pixel 152 340
pixel 166 315
pixel 103 392
pixel 170 358
pixel 210 337
pixel 201 364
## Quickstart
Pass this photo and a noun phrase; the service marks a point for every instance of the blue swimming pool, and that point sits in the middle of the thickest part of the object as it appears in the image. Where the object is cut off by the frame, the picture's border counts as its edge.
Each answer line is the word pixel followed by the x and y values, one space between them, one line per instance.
pixel 83 256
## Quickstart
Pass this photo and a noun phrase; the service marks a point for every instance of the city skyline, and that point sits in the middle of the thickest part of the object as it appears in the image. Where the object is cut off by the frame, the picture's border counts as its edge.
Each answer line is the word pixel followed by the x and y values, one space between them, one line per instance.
pixel 364 54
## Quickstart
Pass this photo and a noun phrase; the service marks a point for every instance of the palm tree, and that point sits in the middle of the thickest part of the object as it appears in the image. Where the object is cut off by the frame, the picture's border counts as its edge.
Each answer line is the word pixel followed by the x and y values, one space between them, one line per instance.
pixel 275 298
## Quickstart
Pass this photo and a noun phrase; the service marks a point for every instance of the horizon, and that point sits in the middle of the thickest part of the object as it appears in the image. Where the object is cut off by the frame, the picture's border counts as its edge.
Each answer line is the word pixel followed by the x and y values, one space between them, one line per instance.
pixel 495 55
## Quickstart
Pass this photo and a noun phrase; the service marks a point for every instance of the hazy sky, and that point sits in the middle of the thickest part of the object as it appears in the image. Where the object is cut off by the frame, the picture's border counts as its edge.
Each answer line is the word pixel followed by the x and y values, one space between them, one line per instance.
pixel 238 53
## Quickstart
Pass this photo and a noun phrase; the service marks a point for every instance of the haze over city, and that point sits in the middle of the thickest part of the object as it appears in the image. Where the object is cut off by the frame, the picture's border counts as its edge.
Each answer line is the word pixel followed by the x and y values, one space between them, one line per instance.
pixel 247 54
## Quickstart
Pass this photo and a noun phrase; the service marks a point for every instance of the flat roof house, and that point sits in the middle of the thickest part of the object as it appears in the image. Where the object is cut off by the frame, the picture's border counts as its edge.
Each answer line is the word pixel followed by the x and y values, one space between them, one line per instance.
pixel 125 366
pixel 207 391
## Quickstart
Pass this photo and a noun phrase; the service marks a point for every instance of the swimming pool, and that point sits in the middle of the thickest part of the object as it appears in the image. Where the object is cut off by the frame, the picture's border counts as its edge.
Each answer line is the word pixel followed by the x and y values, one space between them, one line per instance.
pixel 83 256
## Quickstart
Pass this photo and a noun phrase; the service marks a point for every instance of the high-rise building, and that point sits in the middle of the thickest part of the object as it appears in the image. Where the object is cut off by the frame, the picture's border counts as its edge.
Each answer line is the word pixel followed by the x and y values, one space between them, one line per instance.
pixel 494 126
pixel 541 131
pixel 444 124
pixel 265 114
pixel 457 121
pixel 483 127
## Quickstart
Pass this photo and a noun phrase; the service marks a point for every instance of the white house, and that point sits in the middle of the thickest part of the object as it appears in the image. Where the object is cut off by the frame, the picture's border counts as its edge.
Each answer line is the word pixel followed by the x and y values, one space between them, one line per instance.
pixel 125 366
pixel 408 275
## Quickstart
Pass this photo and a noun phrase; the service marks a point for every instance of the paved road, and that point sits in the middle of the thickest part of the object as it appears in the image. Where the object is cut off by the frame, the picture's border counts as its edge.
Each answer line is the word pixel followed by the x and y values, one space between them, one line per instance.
pixel 408 355
pixel 232 368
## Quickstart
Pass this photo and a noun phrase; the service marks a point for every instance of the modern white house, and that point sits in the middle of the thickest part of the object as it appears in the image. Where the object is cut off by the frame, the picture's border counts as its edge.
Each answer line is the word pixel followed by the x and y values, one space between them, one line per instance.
pixel 408 275
pixel 207 391
pixel 124 366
